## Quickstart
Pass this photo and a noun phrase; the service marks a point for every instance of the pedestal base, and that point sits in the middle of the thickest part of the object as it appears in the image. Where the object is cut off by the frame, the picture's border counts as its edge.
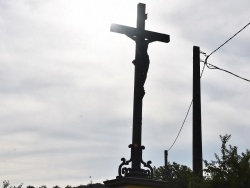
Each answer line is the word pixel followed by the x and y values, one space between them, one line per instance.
pixel 135 183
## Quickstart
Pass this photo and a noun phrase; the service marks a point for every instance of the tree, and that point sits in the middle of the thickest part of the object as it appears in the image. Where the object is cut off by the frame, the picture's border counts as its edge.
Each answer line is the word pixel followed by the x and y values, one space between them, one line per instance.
pixel 56 186
pixel 231 170
pixel 43 186
pixel 6 184
pixel 30 186
pixel 175 174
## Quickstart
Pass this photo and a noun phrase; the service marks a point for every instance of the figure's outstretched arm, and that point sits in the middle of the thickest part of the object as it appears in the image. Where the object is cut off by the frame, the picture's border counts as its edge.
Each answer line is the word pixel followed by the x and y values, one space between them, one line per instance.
pixel 150 40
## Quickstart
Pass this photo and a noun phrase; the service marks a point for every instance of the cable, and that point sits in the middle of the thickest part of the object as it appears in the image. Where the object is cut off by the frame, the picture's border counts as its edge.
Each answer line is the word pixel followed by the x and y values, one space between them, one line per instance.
pixel 187 111
pixel 182 125
pixel 210 66
pixel 203 69
pixel 188 108
pixel 228 40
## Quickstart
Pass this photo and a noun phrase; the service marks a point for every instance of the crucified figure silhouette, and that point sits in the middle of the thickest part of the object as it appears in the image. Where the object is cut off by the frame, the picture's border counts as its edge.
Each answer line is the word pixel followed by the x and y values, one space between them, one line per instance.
pixel 142 39
pixel 142 64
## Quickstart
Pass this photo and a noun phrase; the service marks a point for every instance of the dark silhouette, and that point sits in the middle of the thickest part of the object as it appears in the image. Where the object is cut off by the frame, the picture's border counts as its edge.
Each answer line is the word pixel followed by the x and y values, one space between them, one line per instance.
pixel 197 126
pixel 142 39
pixel 56 186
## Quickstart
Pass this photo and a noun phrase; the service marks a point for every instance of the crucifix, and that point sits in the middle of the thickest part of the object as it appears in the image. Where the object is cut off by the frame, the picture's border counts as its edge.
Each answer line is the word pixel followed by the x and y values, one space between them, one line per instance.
pixel 142 38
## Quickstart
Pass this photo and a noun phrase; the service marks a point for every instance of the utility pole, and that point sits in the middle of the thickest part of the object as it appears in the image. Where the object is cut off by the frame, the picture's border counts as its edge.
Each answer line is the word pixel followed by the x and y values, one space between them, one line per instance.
pixel 166 158
pixel 197 131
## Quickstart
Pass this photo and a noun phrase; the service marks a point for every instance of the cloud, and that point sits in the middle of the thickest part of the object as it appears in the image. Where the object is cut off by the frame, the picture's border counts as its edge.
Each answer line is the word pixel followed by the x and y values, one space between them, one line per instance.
pixel 66 87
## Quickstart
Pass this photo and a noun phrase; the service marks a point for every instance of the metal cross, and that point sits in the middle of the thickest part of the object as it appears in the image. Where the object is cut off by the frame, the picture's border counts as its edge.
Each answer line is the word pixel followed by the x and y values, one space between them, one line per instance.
pixel 142 38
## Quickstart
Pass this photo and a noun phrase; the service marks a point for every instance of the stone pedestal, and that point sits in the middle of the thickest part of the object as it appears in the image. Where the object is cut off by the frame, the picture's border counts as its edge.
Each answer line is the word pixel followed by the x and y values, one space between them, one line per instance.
pixel 127 182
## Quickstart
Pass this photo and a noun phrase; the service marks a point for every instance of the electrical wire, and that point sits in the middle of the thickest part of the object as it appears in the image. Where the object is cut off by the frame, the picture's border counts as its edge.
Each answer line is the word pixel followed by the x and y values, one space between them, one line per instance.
pixel 186 115
pixel 181 125
pixel 210 66
pixel 228 40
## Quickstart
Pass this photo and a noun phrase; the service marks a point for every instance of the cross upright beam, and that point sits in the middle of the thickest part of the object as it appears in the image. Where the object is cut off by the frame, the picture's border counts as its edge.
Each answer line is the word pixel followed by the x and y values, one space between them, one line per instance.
pixel 142 38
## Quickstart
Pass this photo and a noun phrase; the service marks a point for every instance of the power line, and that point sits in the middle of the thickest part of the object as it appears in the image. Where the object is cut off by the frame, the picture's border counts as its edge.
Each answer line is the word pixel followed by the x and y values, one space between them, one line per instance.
pixel 182 125
pixel 186 114
pixel 203 69
pixel 228 40
pixel 210 66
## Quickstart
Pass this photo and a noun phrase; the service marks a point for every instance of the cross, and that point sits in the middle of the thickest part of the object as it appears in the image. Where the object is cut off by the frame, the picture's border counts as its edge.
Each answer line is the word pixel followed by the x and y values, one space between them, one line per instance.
pixel 142 38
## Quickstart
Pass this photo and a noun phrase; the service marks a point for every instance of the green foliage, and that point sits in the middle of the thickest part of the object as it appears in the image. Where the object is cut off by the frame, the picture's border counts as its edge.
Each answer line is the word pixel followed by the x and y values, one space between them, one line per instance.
pixel 43 186
pixel 231 170
pixel 6 184
pixel 56 186
pixel 30 186
pixel 178 176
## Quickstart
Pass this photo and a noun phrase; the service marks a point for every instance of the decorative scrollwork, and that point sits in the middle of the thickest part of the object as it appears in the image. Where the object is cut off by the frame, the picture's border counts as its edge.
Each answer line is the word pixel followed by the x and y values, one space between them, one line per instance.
pixel 123 170
pixel 149 173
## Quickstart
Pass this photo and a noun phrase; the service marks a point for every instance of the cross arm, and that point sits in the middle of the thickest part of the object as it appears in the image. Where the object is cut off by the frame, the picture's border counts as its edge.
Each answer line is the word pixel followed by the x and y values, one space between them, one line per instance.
pixel 133 32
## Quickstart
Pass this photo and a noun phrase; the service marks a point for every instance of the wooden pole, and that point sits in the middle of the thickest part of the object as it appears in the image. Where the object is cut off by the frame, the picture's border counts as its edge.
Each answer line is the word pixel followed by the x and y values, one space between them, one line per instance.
pixel 166 158
pixel 197 131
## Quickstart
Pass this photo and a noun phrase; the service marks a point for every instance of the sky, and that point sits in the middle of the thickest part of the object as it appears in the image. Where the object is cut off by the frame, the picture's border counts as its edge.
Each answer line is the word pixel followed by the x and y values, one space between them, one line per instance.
pixel 66 86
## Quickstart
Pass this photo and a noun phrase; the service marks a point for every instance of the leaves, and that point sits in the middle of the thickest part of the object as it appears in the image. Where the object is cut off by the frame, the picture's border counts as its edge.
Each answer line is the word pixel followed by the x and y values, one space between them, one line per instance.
pixel 175 174
pixel 229 170
pixel 6 184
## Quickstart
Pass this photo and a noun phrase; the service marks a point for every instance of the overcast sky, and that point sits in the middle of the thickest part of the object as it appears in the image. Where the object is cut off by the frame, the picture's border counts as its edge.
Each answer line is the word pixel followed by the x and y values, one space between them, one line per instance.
pixel 66 85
